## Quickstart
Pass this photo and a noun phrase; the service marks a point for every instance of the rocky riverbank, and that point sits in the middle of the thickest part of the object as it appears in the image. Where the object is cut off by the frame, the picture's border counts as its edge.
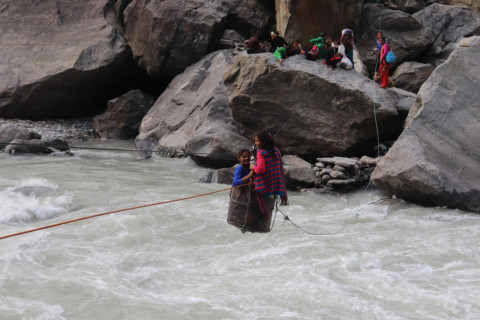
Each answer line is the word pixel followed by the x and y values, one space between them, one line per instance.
pixel 68 130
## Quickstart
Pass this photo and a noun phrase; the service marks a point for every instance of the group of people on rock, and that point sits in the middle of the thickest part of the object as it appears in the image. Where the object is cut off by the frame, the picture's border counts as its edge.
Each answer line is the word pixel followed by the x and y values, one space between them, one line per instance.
pixel 335 53
pixel 323 47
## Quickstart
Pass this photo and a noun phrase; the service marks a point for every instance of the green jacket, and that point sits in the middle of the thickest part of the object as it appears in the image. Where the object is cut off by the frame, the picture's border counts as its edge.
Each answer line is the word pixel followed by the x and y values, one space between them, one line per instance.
pixel 319 42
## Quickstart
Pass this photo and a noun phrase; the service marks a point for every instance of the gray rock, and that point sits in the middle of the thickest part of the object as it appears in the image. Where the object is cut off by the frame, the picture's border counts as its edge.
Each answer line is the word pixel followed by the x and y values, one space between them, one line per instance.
pixel 10 132
pixel 449 24
pixel 305 101
pixel 406 35
pixel 48 68
pixel 338 168
pixel 27 146
pixel 294 161
pixel 326 171
pixel 192 117
pixel 299 177
pixel 293 24
pixel 411 75
pixel 341 184
pixel 167 36
pixel 231 39
pixel 220 176
pixel 320 165
pixel 337 174
pixel 340 161
pixel 411 6
pixel 435 161
pixel 123 116
pixel 369 161
pixel 326 178
pixel 404 101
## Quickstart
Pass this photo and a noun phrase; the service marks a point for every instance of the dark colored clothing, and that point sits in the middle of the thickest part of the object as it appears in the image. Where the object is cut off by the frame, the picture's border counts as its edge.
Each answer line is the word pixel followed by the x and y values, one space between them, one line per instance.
pixel 333 57
pixel 253 45
pixel 240 173
pixel 278 42
pixel 348 44
pixel 294 50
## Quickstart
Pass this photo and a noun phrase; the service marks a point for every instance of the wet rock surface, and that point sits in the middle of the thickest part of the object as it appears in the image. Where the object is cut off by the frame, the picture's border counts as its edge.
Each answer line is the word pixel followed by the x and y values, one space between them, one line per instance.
pixel 70 130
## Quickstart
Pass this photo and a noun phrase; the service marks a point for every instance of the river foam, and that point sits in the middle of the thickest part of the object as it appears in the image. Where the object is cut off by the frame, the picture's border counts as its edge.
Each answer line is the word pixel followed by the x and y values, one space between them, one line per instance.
pixel 376 260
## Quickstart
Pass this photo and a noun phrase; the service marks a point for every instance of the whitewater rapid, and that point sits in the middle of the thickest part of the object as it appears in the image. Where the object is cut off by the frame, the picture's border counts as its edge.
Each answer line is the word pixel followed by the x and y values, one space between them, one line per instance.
pixel 181 260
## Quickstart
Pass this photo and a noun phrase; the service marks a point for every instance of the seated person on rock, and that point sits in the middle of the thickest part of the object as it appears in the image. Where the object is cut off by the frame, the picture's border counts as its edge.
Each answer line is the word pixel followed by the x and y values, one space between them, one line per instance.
pixel 295 48
pixel 254 46
pixel 277 42
pixel 280 54
pixel 320 42
pixel 333 56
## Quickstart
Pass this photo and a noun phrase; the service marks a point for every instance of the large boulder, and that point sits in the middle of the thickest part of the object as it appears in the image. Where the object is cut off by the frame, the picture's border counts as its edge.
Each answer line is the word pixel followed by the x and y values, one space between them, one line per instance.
pixel 449 24
pixel 310 109
pixel 123 116
pixel 411 75
pixel 306 19
pixel 59 58
pixel 406 35
pixel 36 146
pixel 10 132
pixel 192 116
pixel 436 159
pixel 167 36
pixel 410 6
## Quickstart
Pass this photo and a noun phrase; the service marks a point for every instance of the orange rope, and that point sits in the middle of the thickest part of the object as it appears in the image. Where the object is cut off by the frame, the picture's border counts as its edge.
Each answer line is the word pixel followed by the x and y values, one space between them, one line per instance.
pixel 120 210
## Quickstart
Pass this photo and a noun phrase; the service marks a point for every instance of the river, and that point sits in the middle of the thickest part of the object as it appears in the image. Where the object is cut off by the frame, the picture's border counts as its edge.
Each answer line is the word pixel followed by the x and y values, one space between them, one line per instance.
pixel 376 260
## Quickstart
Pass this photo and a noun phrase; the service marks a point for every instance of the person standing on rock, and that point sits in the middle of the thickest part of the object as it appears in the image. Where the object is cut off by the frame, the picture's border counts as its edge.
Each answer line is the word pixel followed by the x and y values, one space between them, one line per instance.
pixel 379 45
pixel 269 178
pixel 277 42
pixel 347 41
pixel 384 68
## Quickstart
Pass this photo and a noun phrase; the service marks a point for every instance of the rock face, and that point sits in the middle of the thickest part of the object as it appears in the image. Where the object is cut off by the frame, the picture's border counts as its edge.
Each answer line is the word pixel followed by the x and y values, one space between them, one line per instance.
pixel 329 111
pixel 192 116
pixel 306 19
pixel 410 6
pixel 436 159
pixel 449 25
pixel 411 75
pixel 123 116
pixel 59 58
pixel 405 34
pixel 167 36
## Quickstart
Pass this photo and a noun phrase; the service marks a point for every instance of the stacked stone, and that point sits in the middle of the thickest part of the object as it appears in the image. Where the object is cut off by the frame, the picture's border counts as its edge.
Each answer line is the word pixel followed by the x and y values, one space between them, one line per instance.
pixel 341 174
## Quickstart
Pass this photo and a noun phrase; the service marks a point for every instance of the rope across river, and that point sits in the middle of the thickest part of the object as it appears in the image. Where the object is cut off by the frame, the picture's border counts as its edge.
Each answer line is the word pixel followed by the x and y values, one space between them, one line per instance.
pixel 116 211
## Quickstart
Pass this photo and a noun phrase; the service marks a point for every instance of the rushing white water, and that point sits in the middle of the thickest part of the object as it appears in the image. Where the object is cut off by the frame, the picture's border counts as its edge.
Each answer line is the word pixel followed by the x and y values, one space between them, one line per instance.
pixel 183 261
